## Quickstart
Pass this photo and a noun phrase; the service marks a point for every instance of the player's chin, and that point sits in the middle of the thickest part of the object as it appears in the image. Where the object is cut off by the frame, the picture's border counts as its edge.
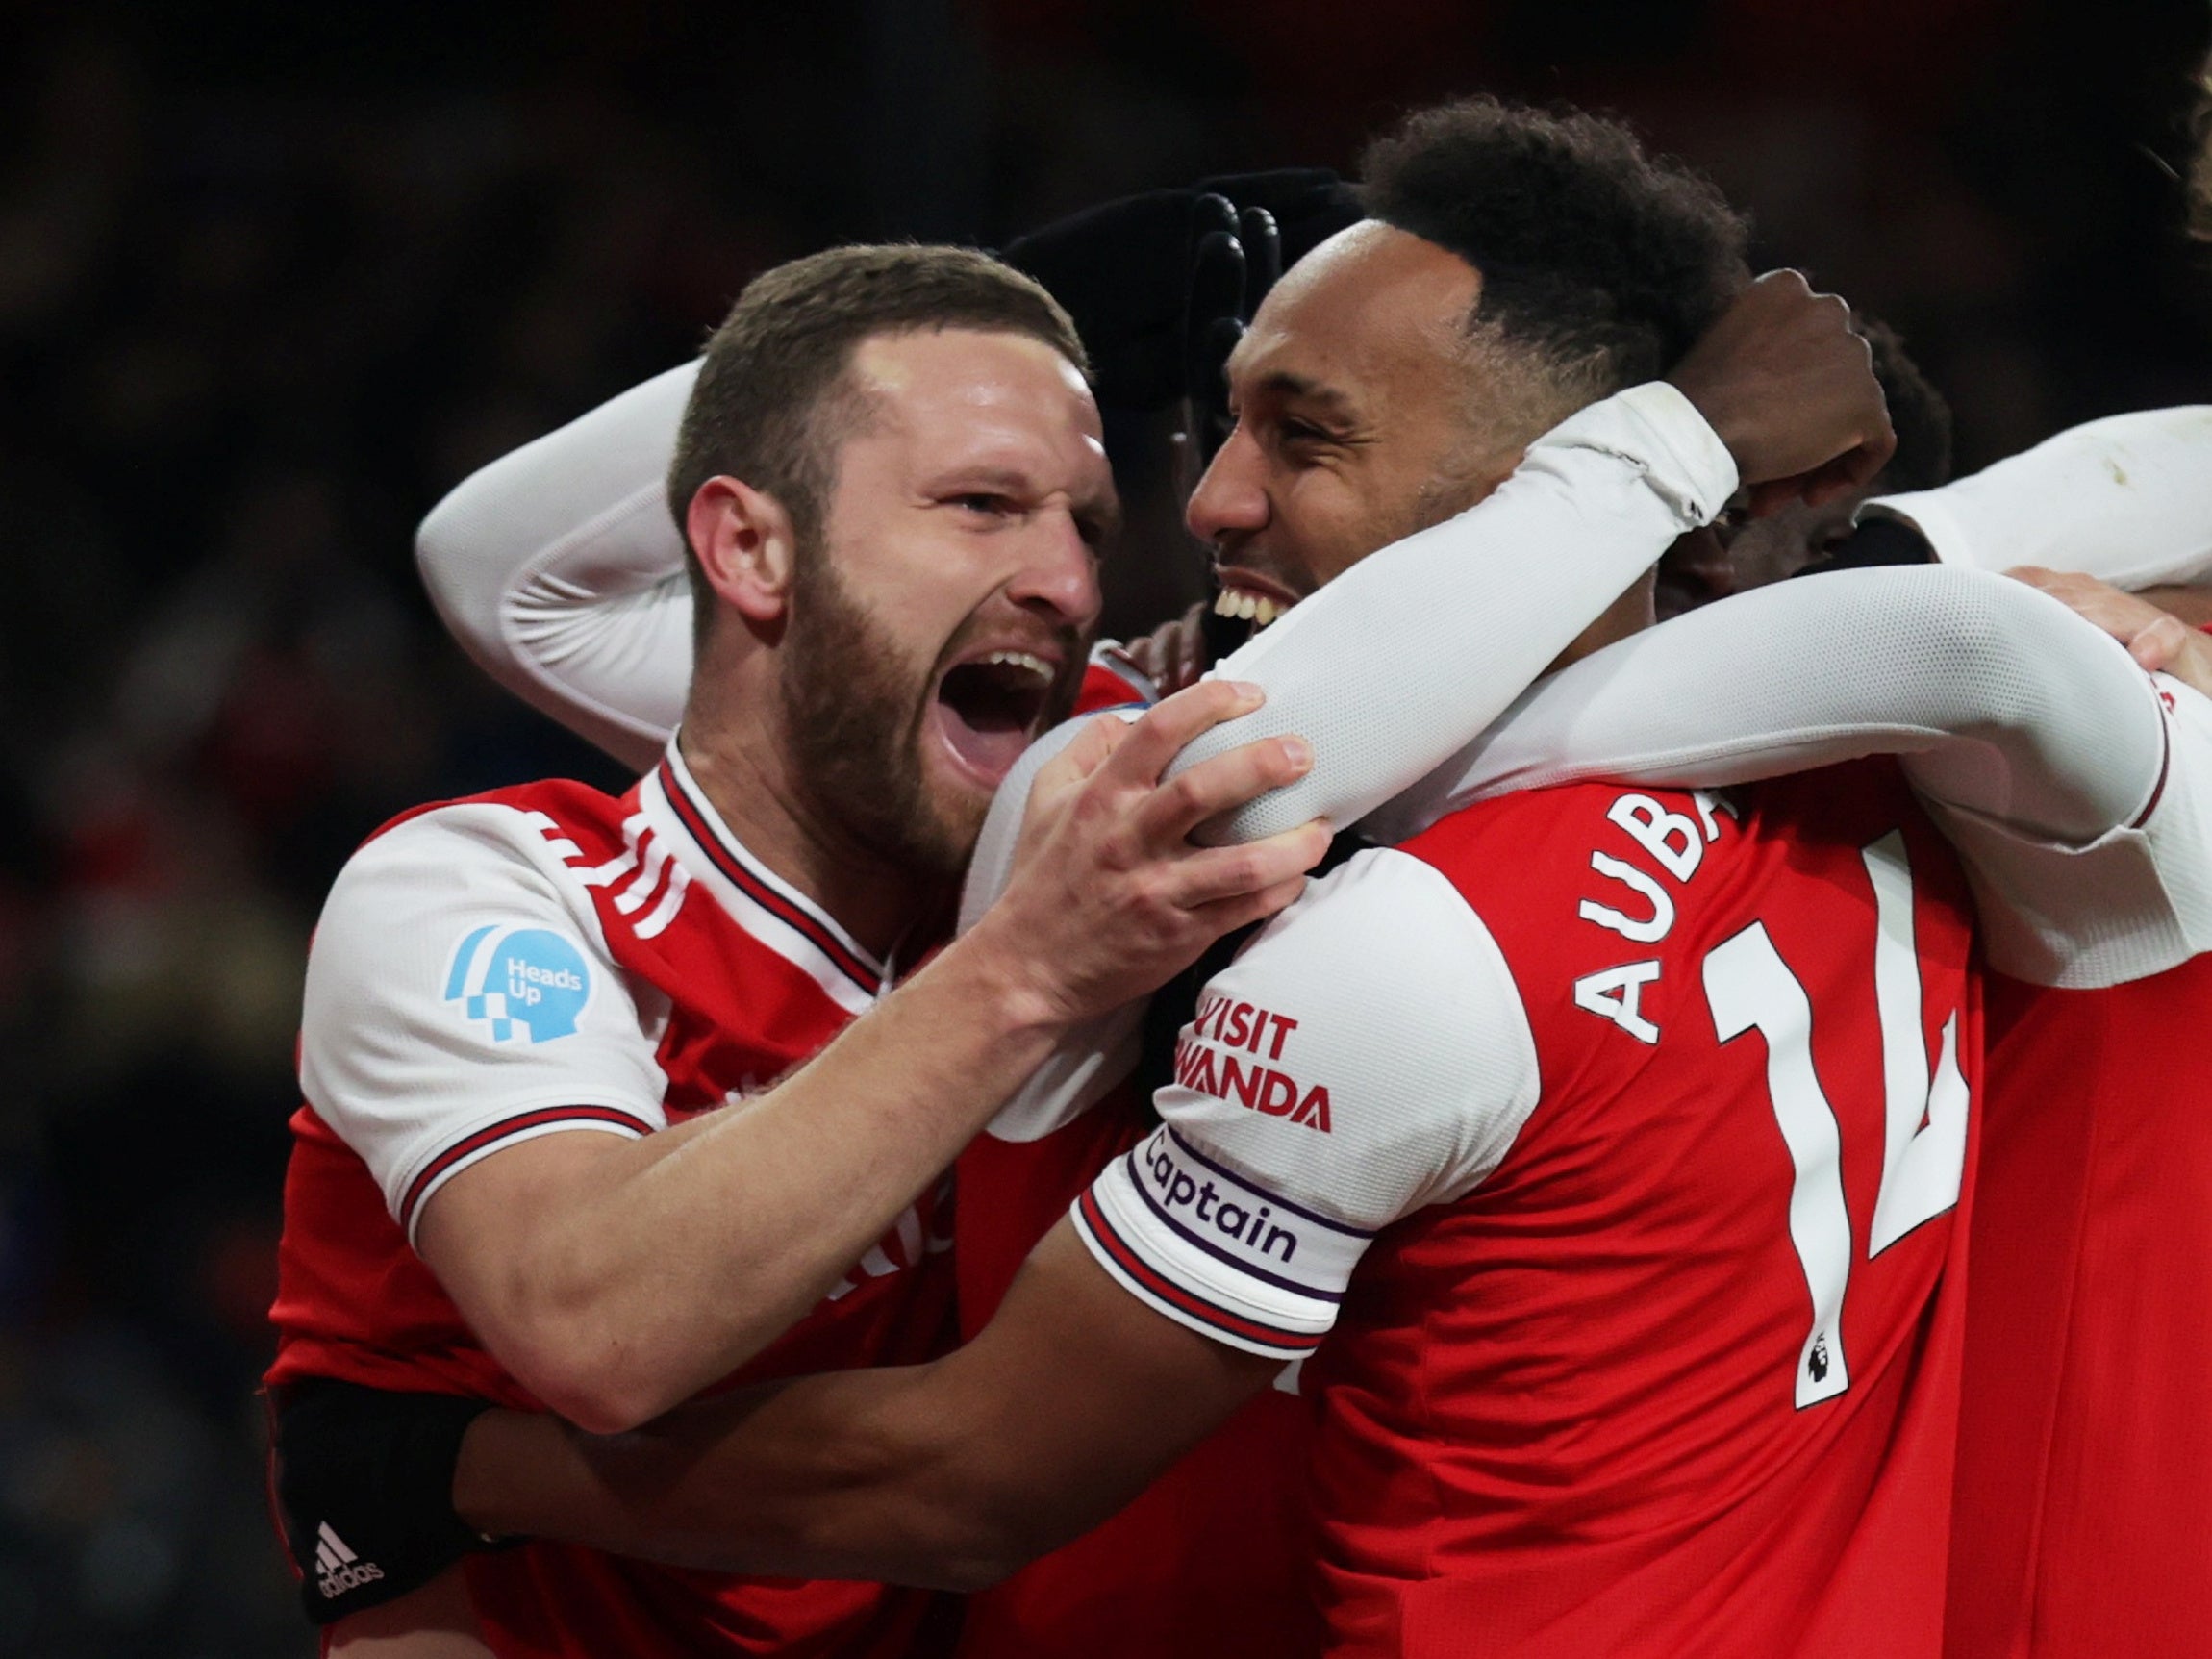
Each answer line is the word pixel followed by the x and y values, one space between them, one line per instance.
pixel 947 815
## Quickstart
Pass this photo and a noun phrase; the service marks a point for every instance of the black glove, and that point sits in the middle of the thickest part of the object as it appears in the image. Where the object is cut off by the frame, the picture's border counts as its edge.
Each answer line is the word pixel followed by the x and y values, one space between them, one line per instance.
pixel 363 1486
pixel 1125 269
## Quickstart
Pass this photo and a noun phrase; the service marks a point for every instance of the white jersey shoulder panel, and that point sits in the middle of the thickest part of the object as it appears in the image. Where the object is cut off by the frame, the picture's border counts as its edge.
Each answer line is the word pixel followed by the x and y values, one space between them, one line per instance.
pixel 1367 1056
pixel 460 995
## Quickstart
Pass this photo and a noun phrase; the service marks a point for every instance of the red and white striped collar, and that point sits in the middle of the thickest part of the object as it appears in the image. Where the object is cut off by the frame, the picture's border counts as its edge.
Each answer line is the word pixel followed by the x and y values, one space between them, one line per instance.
pixel 761 902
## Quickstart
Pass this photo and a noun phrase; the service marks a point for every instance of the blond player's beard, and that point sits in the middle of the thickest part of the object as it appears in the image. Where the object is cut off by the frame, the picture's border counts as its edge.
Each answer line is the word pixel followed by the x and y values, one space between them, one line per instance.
pixel 855 706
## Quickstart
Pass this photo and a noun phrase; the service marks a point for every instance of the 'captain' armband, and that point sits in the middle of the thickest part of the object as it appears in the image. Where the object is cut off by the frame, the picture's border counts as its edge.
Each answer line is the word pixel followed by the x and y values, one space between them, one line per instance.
pixel 1251 1268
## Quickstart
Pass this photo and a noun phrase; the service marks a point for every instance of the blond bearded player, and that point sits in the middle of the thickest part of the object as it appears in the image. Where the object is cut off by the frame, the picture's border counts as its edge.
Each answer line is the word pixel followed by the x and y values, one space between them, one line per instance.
pixel 550 1153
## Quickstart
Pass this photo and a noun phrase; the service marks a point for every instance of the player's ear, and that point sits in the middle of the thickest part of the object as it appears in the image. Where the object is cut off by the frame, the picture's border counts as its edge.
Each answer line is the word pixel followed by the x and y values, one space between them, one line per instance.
pixel 746 547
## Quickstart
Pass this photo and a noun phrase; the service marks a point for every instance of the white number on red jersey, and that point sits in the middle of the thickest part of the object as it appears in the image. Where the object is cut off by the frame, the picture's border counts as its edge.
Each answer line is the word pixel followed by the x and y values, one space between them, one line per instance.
pixel 1749 986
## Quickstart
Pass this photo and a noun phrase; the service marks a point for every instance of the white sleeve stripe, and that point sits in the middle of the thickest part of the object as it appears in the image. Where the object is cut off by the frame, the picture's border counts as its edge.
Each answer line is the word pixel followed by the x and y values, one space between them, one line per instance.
pixel 1261 1200
pixel 523 1127
pixel 1298 1210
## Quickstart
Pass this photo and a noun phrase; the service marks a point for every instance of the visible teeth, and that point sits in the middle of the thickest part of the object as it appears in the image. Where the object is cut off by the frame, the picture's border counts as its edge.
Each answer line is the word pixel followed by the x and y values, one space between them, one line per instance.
pixel 1265 611
pixel 1225 602
pixel 1248 606
pixel 1024 661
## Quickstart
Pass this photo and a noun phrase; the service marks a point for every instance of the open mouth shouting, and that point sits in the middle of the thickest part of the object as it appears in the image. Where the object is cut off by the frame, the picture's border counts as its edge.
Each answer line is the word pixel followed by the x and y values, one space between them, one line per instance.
pixel 992 703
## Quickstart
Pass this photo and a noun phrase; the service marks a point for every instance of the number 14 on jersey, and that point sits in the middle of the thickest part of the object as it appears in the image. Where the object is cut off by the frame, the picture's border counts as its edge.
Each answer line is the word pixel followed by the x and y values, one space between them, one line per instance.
pixel 1749 986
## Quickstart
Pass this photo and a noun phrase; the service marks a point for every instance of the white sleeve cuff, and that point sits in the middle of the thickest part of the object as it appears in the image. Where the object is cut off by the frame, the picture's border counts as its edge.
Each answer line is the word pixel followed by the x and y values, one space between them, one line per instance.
pixel 2126 499
pixel 1660 431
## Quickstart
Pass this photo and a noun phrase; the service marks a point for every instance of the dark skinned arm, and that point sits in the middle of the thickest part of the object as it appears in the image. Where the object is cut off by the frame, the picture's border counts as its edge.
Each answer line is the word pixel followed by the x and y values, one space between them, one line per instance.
pixel 950 1476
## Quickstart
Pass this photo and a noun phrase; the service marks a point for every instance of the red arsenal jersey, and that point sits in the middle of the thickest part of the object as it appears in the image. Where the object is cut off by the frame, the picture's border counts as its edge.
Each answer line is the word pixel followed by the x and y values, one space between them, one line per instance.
pixel 545 960
pixel 1208 1560
pixel 1618 1141
pixel 2085 1449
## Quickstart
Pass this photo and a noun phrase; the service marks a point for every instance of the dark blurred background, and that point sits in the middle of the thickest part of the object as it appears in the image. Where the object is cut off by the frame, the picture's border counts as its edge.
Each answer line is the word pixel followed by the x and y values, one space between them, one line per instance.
pixel 272 277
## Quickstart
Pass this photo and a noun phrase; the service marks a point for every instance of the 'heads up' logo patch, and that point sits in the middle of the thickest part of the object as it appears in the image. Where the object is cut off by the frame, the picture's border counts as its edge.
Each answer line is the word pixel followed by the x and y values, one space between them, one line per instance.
pixel 526 980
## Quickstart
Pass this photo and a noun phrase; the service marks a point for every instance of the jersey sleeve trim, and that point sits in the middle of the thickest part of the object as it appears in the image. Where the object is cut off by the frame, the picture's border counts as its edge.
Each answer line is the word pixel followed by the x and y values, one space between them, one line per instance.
pixel 2164 769
pixel 1135 1274
pixel 1263 1203
pixel 1210 1248
pixel 523 1127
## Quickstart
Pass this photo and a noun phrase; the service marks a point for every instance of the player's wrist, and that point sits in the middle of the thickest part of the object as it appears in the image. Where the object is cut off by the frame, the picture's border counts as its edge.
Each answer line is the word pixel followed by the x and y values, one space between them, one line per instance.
pixel 999 973
pixel 365 1486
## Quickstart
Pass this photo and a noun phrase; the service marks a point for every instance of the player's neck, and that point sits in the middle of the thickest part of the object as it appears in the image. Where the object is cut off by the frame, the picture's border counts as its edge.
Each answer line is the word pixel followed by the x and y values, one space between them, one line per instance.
pixel 748 778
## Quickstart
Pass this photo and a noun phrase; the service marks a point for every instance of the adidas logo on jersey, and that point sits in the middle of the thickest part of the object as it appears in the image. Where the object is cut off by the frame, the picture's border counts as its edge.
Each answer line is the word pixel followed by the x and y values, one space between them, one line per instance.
pixel 337 1569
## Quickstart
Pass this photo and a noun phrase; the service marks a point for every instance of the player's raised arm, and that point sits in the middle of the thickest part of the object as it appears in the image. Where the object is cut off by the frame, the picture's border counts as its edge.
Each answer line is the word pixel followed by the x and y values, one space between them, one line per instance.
pixel 1404 657
pixel 2126 499
pixel 559 570
pixel 556 1250
pixel 2073 795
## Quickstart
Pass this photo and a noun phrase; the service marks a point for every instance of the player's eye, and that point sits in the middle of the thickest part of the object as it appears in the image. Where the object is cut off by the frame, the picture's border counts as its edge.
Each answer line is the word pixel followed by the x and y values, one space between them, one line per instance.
pixel 1301 439
pixel 982 502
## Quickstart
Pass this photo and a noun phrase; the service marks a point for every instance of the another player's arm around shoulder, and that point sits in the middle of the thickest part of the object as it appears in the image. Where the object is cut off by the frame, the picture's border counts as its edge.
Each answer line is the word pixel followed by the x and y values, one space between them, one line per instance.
pixel 950 1476
pixel 1082 1389
pixel 617 1277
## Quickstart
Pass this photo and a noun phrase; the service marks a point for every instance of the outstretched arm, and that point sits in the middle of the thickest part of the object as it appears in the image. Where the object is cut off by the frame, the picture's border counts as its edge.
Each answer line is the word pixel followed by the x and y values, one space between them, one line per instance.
pixel 950 1474
pixel 2040 743
pixel 2126 499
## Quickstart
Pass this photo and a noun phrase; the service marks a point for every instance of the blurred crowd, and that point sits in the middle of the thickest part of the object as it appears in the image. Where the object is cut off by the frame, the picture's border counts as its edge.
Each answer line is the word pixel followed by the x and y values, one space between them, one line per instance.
pixel 271 279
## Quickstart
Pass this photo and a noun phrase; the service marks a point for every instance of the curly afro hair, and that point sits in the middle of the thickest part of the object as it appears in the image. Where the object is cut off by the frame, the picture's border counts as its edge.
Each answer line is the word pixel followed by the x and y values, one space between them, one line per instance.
pixel 1918 412
pixel 1606 262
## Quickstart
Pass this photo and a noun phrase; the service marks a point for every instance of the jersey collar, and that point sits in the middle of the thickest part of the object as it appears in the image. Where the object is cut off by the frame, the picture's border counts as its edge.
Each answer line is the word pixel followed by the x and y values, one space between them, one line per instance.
pixel 761 902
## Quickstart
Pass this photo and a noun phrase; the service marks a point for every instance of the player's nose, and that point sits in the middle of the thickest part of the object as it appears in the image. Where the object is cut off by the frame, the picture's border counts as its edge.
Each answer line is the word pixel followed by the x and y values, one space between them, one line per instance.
pixel 1058 577
pixel 1231 498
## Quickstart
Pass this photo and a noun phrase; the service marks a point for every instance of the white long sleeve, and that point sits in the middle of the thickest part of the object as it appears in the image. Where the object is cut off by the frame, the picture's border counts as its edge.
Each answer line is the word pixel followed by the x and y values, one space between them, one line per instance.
pixel 2126 499
pixel 2083 811
pixel 560 570
pixel 1397 662
pixel 1390 667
